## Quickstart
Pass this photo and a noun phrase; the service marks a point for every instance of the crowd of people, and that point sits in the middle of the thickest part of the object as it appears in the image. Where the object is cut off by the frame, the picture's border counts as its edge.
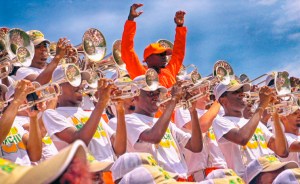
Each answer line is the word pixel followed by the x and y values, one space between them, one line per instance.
pixel 224 132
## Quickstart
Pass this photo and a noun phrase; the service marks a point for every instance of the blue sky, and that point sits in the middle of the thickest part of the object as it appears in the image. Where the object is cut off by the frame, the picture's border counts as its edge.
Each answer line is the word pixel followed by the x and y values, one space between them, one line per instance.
pixel 254 36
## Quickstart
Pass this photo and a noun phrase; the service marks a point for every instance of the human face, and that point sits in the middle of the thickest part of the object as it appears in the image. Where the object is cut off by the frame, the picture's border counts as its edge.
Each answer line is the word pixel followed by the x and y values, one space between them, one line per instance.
pixel 157 61
pixel 71 96
pixel 146 102
pixel 40 55
pixel 234 101
pixel 294 118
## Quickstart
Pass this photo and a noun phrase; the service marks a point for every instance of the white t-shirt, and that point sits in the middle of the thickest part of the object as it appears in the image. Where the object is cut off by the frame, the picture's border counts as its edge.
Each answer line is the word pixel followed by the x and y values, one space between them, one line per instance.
pixel 23 72
pixel 48 148
pixel 64 117
pixel 293 156
pixel 210 156
pixel 167 152
pixel 113 123
pixel 236 156
pixel 13 148
pixel 194 161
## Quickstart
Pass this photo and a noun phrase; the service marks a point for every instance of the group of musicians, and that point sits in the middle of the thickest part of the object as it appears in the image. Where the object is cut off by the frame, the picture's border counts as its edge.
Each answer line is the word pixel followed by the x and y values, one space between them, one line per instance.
pixel 152 122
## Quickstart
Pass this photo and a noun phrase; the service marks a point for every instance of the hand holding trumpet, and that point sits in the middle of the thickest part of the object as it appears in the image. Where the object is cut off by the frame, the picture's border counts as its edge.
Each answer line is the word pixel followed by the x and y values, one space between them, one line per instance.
pixel 23 88
pixel 266 95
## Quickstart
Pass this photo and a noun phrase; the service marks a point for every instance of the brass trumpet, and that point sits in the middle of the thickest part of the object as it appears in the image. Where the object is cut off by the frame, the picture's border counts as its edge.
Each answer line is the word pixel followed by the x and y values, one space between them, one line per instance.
pixel 43 93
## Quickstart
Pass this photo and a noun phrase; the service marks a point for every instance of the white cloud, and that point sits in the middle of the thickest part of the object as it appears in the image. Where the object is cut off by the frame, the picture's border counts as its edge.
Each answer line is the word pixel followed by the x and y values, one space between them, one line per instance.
pixel 288 17
pixel 295 36
pixel 264 2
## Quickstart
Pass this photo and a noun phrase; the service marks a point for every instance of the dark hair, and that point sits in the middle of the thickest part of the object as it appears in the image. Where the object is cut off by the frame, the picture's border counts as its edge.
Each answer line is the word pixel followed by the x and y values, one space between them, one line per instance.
pixel 223 95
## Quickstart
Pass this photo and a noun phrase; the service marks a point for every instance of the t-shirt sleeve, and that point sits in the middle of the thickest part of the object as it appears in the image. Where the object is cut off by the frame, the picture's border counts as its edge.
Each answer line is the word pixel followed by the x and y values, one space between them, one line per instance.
pixel 134 128
pixel 181 137
pixel 21 130
pixel 222 126
pixel 182 117
pixel 290 139
pixel 22 73
pixel 113 123
pixel 109 130
pixel 266 132
pixel 55 122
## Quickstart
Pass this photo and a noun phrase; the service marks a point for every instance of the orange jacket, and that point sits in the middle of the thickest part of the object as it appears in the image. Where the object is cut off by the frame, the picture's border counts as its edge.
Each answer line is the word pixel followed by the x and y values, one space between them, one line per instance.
pixel 167 76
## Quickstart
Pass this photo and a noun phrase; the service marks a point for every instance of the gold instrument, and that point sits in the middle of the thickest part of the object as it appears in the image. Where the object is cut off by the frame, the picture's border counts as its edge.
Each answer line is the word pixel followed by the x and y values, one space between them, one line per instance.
pixel 67 73
pixel 15 47
pixel 192 81
pixel 94 45
pixel 286 99
pixel 19 47
pixel 44 93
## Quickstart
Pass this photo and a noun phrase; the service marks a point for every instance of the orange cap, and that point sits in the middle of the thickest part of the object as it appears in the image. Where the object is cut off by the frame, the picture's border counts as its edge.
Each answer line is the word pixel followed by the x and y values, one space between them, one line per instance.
pixel 155 48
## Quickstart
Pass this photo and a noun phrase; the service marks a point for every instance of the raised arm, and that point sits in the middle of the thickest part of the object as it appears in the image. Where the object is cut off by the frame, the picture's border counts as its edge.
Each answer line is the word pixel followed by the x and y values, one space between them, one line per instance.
pixel 130 58
pixel 179 44
pixel 278 143
pixel 33 140
pixel 119 140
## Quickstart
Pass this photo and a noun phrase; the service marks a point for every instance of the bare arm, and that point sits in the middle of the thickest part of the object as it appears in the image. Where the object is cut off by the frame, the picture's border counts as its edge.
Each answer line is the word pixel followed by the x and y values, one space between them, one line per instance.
pixel 295 147
pixel 195 143
pixel 33 140
pixel 156 133
pixel 278 143
pixel 119 141
pixel 207 118
pixel 8 117
pixel 242 135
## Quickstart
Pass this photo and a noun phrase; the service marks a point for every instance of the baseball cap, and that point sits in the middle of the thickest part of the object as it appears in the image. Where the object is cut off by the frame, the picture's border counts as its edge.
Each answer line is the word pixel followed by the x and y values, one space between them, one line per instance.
pixel 128 161
pixel 96 166
pixel 232 86
pixel 155 48
pixel 226 180
pixel 147 174
pixel 37 37
pixel 221 173
pixel 266 163
pixel 151 86
pixel 291 176
pixel 45 172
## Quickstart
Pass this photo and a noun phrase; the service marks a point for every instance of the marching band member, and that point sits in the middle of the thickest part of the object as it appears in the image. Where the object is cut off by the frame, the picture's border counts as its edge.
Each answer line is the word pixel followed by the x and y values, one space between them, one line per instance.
pixel 242 140
pixel 155 55
pixel 211 157
pixel 39 70
pixel 291 124
pixel 158 136
pixel 19 145
pixel 69 122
